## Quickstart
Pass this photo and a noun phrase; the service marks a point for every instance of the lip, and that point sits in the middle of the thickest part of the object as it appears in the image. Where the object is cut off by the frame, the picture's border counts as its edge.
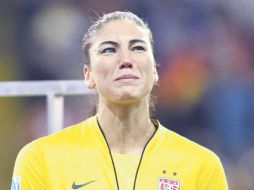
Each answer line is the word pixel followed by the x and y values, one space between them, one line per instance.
pixel 126 76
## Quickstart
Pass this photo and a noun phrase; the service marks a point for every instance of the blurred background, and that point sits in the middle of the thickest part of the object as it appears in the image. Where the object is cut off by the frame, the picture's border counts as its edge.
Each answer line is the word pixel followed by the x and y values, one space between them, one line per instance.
pixel 205 53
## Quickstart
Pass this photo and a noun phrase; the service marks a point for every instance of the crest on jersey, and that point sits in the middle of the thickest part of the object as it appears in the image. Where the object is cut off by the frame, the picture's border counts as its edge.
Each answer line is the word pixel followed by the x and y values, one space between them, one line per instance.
pixel 168 184
pixel 15 184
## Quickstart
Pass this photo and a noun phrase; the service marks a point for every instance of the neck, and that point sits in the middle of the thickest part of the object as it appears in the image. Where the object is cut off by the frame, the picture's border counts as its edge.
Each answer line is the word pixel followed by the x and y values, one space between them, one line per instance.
pixel 127 127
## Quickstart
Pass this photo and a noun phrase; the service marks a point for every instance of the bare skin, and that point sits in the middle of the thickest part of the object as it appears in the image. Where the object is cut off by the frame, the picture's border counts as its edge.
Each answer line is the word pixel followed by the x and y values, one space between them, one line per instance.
pixel 127 128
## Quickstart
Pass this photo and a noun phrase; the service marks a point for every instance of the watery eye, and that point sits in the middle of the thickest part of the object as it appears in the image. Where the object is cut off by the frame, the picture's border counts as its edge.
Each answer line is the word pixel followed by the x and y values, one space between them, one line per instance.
pixel 109 50
pixel 138 48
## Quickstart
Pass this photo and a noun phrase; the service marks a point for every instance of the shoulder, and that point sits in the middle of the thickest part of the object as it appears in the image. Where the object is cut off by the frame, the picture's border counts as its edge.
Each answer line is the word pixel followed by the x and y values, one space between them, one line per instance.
pixel 64 138
pixel 187 147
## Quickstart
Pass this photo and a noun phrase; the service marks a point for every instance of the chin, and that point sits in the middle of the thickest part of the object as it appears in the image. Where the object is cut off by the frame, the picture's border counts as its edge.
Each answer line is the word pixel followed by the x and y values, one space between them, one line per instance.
pixel 128 94
pixel 128 98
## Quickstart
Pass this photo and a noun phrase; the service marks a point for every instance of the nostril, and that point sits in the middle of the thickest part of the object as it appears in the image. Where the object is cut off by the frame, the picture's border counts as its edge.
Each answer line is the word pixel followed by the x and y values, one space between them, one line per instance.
pixel 130 66
pixel 126 65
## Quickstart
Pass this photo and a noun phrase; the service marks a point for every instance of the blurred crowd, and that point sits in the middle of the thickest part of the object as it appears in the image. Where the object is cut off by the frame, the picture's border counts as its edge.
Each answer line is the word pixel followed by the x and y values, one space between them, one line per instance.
pixel 204 52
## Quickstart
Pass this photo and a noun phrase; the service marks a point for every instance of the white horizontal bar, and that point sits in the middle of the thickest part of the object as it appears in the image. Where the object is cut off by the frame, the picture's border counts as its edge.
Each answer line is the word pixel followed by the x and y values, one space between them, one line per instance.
pixel 43 88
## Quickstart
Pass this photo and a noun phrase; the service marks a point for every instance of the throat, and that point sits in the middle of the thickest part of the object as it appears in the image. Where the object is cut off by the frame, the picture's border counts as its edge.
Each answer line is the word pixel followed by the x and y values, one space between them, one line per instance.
pixel 126 135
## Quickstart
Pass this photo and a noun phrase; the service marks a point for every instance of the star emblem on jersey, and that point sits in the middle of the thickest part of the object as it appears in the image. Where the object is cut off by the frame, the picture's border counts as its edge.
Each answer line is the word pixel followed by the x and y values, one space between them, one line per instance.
pixel 77 186
pixel 168 184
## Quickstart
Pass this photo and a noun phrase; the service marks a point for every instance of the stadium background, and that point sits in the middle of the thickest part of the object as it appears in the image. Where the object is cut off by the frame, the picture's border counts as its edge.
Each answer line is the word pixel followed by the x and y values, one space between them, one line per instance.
pixel 206 64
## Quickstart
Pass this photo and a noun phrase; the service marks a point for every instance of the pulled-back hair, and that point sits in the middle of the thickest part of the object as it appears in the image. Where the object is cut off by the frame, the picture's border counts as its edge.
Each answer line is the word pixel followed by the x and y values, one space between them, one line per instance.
pixel 106 18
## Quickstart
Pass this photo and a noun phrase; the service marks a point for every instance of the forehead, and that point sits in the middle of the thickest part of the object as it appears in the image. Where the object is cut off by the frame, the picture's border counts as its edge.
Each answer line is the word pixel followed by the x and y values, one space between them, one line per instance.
pixel 121 29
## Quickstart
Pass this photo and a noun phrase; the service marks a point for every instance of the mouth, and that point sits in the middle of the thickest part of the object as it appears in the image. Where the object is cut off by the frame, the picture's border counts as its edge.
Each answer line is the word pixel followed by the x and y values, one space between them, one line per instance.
pixel 127 76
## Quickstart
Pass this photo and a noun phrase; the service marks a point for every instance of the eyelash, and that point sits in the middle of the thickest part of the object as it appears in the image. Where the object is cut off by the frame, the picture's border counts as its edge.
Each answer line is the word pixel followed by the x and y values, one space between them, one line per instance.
pixel 108 50
pixel 138 48
pixel 113 50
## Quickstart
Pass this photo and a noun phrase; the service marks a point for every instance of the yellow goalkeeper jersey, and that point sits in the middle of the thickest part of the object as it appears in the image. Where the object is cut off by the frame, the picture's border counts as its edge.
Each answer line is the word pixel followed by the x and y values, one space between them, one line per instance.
pixel 79 158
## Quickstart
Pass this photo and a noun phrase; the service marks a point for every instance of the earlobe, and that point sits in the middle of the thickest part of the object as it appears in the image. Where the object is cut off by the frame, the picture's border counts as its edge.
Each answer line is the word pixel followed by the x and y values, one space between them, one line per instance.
pixel 89 81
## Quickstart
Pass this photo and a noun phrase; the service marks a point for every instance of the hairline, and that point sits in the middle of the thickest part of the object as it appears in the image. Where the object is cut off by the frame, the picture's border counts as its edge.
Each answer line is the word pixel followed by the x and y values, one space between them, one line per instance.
pixel 96 33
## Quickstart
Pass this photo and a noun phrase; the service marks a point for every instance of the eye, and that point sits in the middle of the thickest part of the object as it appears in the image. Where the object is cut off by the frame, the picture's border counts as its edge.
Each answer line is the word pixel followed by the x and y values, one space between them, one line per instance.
pixel 138 48
pixel 108 50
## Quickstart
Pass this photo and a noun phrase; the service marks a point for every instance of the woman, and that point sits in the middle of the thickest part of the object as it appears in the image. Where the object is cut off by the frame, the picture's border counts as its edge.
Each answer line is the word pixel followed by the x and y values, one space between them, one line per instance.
pixel 120 147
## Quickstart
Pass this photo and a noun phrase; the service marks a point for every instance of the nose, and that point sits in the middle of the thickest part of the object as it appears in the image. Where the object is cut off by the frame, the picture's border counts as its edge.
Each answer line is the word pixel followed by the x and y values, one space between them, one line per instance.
pixel 125 60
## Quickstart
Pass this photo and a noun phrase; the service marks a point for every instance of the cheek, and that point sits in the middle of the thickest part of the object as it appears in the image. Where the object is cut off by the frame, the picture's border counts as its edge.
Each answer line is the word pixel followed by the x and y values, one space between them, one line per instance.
pixel 149 73
pixel 147 66
pixel 101 72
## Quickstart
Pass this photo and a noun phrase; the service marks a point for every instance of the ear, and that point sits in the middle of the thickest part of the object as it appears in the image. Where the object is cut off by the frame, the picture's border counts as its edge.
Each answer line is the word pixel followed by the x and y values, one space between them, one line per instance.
pixel 89 80
pixel 155 74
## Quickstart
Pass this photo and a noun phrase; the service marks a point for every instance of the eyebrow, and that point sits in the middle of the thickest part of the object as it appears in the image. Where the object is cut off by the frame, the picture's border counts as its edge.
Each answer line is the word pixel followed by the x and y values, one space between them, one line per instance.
pixel 108 42
pixel 137 41
pixel 133 41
